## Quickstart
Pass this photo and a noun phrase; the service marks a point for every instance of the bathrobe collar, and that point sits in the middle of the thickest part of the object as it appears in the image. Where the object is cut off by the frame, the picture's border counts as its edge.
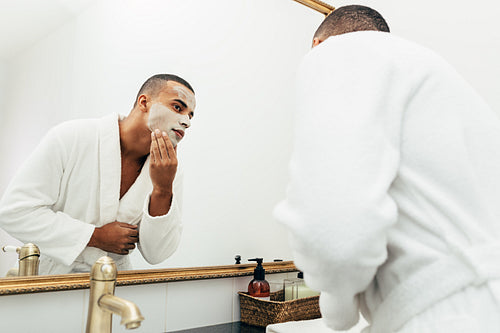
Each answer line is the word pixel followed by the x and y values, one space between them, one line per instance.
pixel 109 168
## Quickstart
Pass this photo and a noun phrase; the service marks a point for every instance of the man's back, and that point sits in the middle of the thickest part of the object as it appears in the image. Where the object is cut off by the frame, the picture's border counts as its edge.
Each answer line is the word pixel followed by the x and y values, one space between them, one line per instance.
pixel 394 169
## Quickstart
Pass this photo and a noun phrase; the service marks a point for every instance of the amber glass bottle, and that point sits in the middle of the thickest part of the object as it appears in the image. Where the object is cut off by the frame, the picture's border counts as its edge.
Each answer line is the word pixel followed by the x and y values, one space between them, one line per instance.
pixel 259 287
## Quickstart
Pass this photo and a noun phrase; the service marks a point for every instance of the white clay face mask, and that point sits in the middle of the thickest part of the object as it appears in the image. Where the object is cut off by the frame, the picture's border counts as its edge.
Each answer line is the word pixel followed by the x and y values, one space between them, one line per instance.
pixel 166 120
pixel 185 95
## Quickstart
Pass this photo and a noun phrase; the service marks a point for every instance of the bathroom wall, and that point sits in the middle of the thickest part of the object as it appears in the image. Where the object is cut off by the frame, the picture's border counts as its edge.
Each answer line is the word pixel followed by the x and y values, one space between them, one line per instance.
pixel 464 33
pixel 7 260
pixel 166 307
pixel 3 77
pixel 3 93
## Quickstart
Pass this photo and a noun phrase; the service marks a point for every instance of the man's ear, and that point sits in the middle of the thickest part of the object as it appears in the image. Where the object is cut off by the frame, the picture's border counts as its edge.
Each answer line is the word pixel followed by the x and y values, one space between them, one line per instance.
pixel 142 101
pixel 316 41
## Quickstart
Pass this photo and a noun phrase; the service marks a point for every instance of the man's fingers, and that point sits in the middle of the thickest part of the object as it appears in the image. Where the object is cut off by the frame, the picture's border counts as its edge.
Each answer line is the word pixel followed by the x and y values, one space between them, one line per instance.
pixel 161 144
pixel 130 231
pixel 126 225
pixel 162 148
pixel 169 146
pixel 154 149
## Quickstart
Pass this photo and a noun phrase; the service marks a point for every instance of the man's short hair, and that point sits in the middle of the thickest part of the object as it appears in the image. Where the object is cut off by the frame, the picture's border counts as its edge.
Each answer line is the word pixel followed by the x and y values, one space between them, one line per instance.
pixel 350 19
pixel 155 83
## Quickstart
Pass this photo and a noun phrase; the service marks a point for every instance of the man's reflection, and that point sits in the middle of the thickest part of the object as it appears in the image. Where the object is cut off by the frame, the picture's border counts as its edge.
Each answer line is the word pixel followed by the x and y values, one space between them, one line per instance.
pixel 97 187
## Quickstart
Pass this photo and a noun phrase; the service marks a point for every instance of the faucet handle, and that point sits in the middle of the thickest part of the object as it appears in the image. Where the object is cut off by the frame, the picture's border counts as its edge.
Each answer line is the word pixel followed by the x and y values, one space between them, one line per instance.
pixel 104 269
pixel 27 250
pixel 11 248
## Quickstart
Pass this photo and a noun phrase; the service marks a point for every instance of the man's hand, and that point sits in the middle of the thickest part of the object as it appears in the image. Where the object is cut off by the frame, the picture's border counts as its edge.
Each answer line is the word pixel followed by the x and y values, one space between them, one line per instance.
pixel 162 169
pixel 115 237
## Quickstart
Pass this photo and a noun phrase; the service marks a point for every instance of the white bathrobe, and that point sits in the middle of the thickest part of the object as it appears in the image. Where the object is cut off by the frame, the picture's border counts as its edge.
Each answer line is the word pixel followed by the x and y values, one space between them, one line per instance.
pixel 70 185
pixel 394 199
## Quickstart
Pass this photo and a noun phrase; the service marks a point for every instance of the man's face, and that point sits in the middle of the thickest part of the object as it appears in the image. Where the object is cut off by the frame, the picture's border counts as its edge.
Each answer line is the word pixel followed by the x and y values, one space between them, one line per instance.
pixel 171 111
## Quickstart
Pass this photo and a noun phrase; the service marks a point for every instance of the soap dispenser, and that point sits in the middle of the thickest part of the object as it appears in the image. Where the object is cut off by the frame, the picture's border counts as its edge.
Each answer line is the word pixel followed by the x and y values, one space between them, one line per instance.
pixel 259 287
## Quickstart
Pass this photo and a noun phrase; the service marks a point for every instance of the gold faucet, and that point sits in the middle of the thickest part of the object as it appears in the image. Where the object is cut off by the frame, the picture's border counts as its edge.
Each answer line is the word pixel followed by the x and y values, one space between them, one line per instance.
pixel 29 257
pixel 103 303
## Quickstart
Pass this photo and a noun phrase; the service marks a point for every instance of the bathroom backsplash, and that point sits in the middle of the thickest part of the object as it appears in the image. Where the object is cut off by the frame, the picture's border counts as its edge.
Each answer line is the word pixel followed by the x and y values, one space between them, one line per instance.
pixel 166 307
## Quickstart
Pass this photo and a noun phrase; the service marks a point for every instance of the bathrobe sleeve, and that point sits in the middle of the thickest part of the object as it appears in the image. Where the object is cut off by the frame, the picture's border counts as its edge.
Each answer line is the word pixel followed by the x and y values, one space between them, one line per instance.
pixel 159 236
pixel 26 209
pixel 345 157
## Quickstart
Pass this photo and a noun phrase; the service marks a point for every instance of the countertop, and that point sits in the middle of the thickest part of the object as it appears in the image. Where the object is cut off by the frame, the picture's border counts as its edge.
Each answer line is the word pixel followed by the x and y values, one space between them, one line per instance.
pixel 236 327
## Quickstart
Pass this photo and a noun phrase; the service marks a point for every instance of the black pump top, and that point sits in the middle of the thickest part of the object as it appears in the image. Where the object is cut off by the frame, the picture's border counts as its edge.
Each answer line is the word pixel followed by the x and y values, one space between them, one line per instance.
pixel 259 272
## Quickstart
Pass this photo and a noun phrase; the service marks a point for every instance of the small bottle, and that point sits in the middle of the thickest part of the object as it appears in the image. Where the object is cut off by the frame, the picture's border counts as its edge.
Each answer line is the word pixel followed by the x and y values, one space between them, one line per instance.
pixel 259 287
pixel 290 285
pixel 302 289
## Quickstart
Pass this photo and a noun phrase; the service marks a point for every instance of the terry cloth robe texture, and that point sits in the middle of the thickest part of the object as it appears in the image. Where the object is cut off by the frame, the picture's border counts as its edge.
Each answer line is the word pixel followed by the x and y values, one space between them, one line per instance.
pixel 393 200
pixel 70 185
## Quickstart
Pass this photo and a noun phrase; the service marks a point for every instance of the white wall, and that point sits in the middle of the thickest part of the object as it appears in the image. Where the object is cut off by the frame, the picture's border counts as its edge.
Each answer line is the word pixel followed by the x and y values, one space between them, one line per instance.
pixel 3 77
pixel 7 260
pixel 240 56
pixel 465 33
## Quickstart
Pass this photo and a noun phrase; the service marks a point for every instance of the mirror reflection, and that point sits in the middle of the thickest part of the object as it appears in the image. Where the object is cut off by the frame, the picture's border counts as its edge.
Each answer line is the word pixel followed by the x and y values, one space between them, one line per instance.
pixel 101 187
pixel 91 61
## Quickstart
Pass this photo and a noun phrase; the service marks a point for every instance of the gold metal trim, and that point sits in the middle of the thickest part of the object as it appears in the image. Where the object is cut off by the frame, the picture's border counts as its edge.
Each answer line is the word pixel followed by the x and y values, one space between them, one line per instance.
pixel 45 283
pixel 317 5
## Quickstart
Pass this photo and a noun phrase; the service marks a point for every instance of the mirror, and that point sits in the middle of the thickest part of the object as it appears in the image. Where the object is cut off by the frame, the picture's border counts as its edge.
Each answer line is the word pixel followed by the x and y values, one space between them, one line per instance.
pixel 88 58
pixel 62 60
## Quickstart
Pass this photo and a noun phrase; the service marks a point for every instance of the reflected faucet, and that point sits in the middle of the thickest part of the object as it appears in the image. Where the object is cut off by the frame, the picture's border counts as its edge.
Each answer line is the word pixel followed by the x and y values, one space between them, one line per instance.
pixel 103 303
pixel 29 258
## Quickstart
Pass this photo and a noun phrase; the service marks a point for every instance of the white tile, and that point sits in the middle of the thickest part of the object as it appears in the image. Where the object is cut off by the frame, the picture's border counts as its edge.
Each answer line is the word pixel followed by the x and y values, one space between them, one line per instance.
pixel 199 303
pixel 85 308
pixel 239 284
pixel 53 312
pixel 151 300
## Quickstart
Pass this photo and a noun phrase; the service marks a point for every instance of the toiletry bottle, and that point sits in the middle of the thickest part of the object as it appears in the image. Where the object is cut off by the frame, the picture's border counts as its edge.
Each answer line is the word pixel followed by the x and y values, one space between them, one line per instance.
pixel 302 290
pixel 291 285
pixel 259 287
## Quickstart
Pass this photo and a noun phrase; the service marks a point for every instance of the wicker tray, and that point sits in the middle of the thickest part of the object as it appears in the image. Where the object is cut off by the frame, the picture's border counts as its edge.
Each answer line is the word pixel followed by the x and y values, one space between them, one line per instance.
pixel 259 312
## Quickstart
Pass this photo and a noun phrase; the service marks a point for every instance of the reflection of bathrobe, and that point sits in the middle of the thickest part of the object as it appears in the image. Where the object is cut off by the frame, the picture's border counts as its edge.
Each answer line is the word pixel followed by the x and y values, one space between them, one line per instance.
pixel 70 185
pixel 394 200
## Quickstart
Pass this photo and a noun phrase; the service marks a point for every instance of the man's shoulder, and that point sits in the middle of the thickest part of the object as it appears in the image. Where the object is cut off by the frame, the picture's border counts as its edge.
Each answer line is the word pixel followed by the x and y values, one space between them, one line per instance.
pixel 79 129
pixel 377 44
pixel 82 125
pixel 374 51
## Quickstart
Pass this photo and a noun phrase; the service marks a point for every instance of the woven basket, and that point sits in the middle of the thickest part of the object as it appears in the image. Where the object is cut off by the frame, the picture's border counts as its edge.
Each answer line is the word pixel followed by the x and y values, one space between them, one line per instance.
pixel 259 312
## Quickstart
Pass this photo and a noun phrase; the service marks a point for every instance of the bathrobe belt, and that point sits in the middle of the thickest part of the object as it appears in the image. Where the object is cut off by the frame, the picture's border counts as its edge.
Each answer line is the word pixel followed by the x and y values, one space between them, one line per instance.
pixel 473 266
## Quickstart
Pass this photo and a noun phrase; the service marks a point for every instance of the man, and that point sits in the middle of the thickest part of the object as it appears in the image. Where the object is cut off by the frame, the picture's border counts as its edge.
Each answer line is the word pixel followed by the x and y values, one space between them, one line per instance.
pixel 393 201
pixel 98 187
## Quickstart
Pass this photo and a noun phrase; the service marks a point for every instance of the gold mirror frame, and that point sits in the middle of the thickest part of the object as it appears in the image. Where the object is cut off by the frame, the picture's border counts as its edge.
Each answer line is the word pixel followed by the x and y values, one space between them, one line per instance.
pixel 45 283
pixel 317 5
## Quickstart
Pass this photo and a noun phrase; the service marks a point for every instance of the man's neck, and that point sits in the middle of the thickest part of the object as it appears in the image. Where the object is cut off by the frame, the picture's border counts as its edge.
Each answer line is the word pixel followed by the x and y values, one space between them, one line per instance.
pixel 134 140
